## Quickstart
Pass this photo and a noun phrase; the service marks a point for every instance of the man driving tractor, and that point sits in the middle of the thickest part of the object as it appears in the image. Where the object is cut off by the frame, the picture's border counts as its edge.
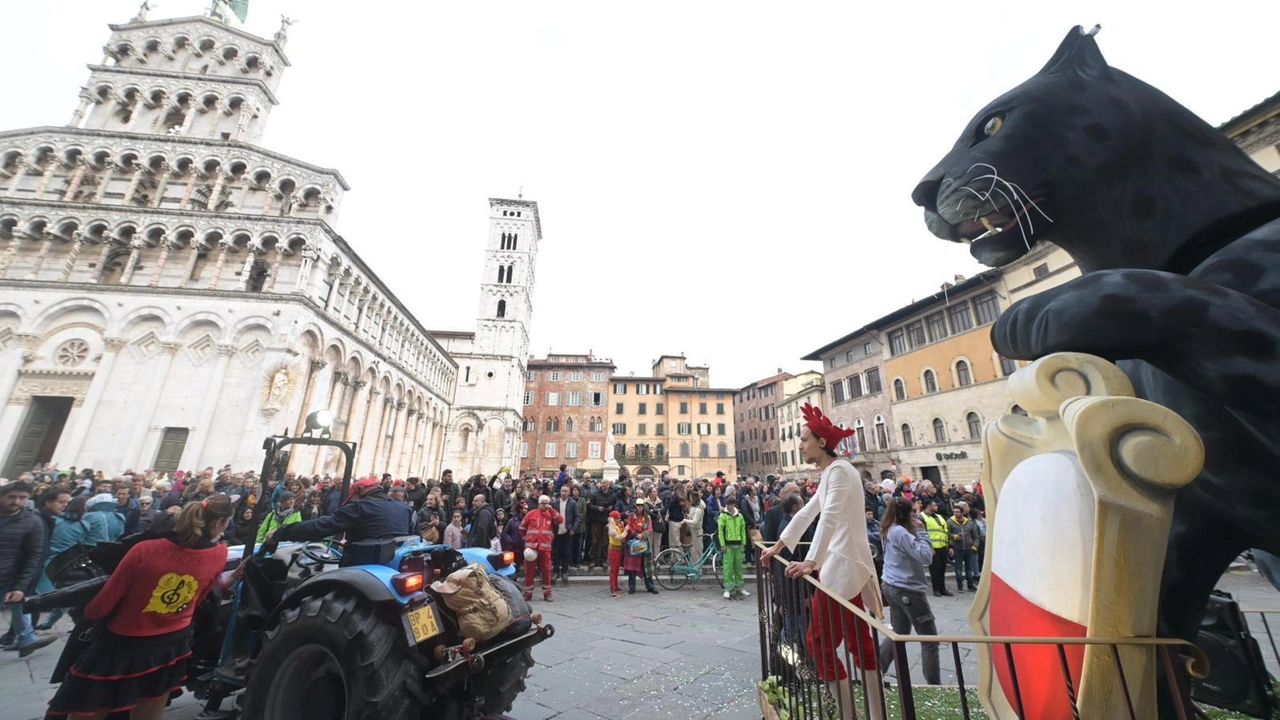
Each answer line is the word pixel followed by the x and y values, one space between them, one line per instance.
pixel 368 514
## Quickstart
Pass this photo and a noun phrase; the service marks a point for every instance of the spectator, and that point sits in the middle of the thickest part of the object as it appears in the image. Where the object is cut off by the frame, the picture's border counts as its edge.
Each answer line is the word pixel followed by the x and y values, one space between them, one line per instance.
pixel 907 551
pixel 566 536
pixel 580 529
pixel 538 528
pixel 512 538
pixel 313 508
pixel 241 530
pixel 617 536
pixel 138 657
pixel 732 535
pixel 147 513
pixel 283 514
pixel 449 490
pixel 638 563
pixel 940 541
pixel 562 478
pixel 484 524
pixel 693 521
pixel 22 549
pixel 964 541
pixel 453 533
pixel 602 500
pixel 415 493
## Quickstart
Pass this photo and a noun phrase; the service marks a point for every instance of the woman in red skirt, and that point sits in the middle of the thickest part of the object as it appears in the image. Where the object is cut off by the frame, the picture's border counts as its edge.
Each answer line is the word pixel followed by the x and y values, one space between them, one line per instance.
pixel 139 655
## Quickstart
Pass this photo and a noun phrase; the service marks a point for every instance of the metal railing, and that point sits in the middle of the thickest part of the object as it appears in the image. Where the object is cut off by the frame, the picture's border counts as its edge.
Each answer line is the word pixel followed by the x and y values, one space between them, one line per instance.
pixel 1273 660
pixel 812 688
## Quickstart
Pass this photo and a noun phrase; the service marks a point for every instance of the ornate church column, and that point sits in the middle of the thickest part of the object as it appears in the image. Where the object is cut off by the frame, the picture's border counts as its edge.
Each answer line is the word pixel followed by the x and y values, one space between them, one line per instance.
pixel 19 169
pixel 144 418
pixel 71 442
pixel 413 461
pixel 355 411
pixel 309 256
pixel 82 165
pixel 108 175
pixel 223 246
pixel 401 457
pixel 374 413
pixel 133 185
pixel 53 165
pixel 309 392
pixel 77 244
pixel 85 101
pixel 162 177
pixel 166 244
pixel 132 263
pixel 38 264
pixel 396 443
pixel 251 255
pixel 194 452
pixel 386 427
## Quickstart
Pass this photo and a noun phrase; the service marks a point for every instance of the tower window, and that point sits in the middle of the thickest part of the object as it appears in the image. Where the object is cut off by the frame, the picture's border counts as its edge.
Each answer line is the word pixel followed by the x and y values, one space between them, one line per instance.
pixel 502 308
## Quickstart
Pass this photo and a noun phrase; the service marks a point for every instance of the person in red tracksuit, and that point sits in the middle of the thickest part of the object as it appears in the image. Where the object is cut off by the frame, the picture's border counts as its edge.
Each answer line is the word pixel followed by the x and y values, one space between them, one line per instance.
pixel 539 532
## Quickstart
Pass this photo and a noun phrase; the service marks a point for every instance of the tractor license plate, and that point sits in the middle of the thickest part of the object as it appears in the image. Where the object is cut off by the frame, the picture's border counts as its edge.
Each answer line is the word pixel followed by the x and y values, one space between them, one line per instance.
pixel 423 623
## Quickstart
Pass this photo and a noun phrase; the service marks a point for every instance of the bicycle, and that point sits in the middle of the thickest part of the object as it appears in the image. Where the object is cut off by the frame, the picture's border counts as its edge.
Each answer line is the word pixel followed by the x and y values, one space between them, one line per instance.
pixel 674 568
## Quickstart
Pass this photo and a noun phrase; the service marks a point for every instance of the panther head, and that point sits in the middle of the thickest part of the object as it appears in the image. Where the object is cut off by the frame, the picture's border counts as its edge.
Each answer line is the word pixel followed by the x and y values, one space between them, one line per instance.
pixel 1112 170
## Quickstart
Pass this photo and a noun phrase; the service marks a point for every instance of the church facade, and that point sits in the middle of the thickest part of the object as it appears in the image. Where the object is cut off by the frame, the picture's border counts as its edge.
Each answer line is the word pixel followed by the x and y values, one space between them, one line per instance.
pixel 171 292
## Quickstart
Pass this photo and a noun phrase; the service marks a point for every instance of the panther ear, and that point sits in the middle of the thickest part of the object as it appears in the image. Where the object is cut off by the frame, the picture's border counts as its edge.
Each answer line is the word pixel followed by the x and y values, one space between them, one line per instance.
pixel 1079 54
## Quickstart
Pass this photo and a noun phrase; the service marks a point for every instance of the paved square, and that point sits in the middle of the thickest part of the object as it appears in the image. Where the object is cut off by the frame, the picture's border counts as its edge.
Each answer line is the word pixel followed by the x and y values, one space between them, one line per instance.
pixel 685 654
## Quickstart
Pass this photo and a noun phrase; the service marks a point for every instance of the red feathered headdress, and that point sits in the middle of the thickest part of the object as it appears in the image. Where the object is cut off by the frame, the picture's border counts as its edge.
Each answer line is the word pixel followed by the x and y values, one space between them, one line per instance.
pixel 822 427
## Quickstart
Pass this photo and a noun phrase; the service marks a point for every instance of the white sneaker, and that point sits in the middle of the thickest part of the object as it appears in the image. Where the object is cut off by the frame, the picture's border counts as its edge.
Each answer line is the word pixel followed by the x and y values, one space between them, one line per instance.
pixel 726 594
pixel 744 593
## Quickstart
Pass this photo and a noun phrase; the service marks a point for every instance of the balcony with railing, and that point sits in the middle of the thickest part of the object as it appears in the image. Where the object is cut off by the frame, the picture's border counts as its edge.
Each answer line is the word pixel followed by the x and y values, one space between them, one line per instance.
pixel 641 455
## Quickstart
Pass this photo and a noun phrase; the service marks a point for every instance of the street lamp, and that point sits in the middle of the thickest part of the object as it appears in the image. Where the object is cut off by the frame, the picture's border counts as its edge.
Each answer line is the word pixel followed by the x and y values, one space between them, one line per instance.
pixel 320 420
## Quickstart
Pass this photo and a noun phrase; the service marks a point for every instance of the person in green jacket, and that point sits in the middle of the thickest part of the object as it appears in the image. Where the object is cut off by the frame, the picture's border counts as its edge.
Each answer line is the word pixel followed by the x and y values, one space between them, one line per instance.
pixel 732 533
pixel 284 515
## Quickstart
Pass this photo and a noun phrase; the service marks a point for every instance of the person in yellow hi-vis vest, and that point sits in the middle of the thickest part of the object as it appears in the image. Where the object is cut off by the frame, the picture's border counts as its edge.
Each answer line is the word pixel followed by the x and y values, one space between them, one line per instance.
pixel 940 539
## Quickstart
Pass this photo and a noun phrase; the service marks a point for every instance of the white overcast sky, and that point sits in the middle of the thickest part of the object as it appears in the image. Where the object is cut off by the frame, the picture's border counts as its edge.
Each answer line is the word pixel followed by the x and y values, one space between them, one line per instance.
pixel 728 180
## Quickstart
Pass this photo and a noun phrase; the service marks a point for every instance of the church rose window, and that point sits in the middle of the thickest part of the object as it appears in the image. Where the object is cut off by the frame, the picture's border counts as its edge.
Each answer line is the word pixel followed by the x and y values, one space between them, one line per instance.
pixel 72 353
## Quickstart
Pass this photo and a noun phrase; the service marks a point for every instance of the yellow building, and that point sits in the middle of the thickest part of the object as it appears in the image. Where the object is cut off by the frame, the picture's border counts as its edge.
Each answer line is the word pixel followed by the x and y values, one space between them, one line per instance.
pixel 1257 132
pixel 672 421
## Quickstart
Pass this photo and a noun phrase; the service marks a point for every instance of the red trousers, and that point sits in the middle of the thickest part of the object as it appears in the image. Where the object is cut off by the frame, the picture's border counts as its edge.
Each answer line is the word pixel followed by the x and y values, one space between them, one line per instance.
pixel 615 564
pixel 830 625
pixel 541 565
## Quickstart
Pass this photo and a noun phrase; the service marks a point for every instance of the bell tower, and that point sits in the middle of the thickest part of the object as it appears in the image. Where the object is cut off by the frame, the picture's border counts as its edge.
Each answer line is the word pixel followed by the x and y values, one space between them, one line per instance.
pixel 488 411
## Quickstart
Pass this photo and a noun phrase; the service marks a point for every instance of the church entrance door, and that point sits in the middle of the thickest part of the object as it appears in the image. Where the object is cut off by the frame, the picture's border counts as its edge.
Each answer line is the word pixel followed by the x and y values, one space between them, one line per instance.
pixel 38 437
pixel 172 443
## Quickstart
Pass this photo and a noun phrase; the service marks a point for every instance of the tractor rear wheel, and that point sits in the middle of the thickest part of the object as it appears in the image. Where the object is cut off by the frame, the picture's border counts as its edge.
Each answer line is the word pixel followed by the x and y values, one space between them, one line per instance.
pixel 333 658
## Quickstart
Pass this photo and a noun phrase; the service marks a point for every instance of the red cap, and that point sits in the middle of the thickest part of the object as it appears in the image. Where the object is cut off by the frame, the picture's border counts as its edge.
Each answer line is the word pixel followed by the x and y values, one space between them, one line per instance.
pixel 822 427
pixel 615 514
pixel 360 486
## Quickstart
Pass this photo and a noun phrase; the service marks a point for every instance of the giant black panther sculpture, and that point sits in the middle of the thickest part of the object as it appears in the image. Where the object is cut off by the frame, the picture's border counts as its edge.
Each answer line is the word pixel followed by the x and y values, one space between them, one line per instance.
pixel 1177 233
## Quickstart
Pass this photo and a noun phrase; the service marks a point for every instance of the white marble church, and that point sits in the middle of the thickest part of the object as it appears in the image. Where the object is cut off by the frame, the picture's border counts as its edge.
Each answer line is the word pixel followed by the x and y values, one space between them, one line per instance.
pixel 171 293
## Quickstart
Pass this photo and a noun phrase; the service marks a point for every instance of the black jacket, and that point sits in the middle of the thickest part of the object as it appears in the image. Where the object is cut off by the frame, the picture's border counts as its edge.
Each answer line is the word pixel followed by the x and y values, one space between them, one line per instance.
pixel 375 517
pixel 23 541
pixel 771 526
pixel 570 512
pixel 484 527
pixel 600 503
pixel 416 495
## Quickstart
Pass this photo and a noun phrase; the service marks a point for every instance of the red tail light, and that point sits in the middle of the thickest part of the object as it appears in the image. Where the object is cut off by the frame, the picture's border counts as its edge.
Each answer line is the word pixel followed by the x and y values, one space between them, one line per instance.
pixel 408 583
pixel 502 559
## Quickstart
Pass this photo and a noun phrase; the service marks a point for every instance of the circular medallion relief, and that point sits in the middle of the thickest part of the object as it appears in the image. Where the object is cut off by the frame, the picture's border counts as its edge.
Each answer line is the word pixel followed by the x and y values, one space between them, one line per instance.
pixel 71 353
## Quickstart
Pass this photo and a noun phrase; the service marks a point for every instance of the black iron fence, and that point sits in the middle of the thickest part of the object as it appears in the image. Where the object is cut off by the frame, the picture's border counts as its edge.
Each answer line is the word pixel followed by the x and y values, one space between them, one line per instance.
pixel 810 639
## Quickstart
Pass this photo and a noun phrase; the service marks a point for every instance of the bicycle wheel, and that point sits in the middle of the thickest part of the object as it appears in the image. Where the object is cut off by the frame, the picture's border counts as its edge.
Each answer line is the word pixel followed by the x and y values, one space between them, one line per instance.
pixel 714 564
pixel 666 568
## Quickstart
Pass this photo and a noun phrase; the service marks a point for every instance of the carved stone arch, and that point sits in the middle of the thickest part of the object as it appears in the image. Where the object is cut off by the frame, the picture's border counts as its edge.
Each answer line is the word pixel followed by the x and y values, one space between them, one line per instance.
pixel 71 153
pixel 246 325
pixel 316 335
pixel 209 100
pixel 35 226
pixel 125 326
pixel 73 310
pixel 154 234
pixel 103 91
pixel 201 318
pixel 64 228
pixel 338 348
pixel 211 238
pixel 12 316
pixel 128 157
pixel 261 177
pixel 43 154
pixel 267 242
pixel 294 245
pixel 95 231
pixel 229 53
pixel 241 241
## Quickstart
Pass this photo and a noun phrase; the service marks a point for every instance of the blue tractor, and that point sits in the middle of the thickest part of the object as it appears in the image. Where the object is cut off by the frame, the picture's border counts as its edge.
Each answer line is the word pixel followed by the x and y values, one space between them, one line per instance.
pixel 332 631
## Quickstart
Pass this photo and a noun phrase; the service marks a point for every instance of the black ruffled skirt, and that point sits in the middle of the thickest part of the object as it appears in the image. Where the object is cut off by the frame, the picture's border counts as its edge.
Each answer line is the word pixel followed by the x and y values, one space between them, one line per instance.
pixel 116 672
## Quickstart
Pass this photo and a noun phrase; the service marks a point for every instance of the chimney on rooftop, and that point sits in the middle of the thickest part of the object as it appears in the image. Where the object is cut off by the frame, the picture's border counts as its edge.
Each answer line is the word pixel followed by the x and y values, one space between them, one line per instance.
pixel 959 279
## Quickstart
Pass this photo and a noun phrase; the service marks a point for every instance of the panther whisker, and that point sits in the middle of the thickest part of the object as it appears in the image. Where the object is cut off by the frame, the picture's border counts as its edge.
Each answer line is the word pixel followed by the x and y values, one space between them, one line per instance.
pixel 1018 218
pixel 1029 200
pixel 1016 196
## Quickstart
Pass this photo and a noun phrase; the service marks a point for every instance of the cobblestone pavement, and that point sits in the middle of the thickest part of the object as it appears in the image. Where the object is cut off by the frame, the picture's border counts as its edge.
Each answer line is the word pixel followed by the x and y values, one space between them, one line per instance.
pixel 685 654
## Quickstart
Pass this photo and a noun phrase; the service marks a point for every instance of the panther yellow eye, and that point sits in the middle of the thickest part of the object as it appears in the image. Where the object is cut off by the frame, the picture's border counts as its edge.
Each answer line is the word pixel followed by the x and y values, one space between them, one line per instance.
pixel 993 125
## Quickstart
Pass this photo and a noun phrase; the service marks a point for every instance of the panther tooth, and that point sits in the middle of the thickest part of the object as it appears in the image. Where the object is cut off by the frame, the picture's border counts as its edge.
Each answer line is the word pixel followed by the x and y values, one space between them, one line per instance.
pixel 986 223
pixel 966 241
